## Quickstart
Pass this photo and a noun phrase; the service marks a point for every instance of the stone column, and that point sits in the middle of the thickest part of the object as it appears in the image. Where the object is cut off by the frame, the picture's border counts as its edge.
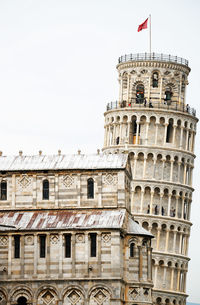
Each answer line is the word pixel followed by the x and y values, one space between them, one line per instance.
pixel 186 141
pixel 174 134
pixel 158 238
pixel 73 241
pixel 9 256
pixel 99 253
pixel 161 85
pixel 179 171
pixel 135 164
pixel 128 133
pixel 144 168
pixel 48 261
pixel 182 210
pixel 165 134
pixel 184 174
pixel 180 242
pixel 155 275
pixel 156 133
pixel 151 202
pixel 167 240
pixel 149 259
pixel 137 133
pixel 174 242
pixel 169 204
pixel 172 278
pixel 154 169
pixel 60 243
pixel 147 131
pixel 140 263
pixel 171 170
pixel 163 168
pixel 128 88
pixel 22 262
pixel 142 199
pixel 35 260
pixel 178 280
pixel 160 208
pixel 177 199
pixel 181 138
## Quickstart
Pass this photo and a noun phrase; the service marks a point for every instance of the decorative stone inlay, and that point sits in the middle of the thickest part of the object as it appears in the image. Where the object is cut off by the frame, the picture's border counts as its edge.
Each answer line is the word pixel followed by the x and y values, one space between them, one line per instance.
pixel 106 237
pixel 100 296
pixel 80 238
pixel 54 239
pixel 73 297
pixel 110 179
pixel 24 182
pixel 29 240
pixel 68 181
pixel 3 240
pixel 134 293
pixel 2 298
pixel 48 297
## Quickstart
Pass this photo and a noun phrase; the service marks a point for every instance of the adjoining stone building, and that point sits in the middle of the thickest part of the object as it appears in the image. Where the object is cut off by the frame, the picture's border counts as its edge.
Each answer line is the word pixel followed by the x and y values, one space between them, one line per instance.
pixel 77 229
pixel 72 239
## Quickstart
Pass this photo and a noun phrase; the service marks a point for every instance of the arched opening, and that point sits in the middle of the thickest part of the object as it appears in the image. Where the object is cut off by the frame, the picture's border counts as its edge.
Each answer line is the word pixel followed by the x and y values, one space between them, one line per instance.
pixel 90 188
pixel 169 136
pixel 132 250
pixel 45 189
pixel 168 95
pixel 117 141
pixel 155 80
pixel 22 301
pixel 139 94
pixel 3 190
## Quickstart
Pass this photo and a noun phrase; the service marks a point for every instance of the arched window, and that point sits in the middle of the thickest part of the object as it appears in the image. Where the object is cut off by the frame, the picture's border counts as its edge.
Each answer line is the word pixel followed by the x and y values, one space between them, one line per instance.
pixel 155 80
pixel 132 250
pixel 3 190
pixel 169 135
pixel 90 188
pixel 117 141
pixel 45 189
pixel 139 94
pixel 168 94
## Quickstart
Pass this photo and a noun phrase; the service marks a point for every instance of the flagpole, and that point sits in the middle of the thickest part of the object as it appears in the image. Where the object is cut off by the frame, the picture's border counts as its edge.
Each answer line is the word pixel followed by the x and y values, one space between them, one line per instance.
pixel 150 34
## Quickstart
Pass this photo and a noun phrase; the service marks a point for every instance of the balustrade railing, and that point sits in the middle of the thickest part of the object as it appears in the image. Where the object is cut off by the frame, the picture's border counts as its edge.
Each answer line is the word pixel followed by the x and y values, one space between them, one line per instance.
pixel 153 57
pixel 161 104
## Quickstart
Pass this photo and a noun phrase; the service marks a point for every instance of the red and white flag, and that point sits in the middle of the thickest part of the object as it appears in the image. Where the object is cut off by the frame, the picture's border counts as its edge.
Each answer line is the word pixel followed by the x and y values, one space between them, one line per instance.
pixel 143 25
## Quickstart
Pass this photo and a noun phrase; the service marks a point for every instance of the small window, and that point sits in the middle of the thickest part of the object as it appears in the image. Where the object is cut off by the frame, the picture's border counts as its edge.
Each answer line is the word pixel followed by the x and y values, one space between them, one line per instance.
pixel 132 250
pixel 68 245
pixel 46 190
pixel 93 244
pixel 3 190
pixel 42 245
pixel 117 141
pixel 155 80
pixel 16 246
pixel 90 188
pixel 168 95
pixel 140 94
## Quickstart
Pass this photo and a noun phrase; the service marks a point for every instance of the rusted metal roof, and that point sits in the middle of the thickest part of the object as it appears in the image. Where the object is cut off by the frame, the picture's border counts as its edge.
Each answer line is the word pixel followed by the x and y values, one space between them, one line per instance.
pixel 70 219
pixel 59 162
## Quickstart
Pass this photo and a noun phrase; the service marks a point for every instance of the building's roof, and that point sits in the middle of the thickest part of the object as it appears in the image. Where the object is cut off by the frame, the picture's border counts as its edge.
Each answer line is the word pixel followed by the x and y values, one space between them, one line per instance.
pixel 70 219
pixel 61 162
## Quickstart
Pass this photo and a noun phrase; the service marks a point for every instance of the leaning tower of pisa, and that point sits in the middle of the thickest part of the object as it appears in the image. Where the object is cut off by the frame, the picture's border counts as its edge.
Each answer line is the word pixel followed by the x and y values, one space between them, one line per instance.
pixel 154 124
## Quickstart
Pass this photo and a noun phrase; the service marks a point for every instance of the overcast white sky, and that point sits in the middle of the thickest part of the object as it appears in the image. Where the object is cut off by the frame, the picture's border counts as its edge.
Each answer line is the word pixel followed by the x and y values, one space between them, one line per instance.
pixel 57 72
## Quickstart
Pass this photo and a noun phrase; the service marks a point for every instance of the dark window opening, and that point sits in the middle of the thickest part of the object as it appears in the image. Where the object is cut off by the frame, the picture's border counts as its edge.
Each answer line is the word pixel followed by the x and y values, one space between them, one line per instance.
pixel 139 94
pixel 117 141
pixel 132 250
pixel 134 127
pixel 68 245
pixel 22 301
pixel 3 190
pixel 155 80
pixel 45 190
pixel 169 135
pixel 17 246
pixel 90 188
pixel 42 245
pixel 93 244
pixel 168 95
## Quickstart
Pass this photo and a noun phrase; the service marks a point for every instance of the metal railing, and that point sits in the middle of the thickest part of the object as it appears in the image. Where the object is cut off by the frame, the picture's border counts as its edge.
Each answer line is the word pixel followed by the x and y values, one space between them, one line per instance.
pixel 153 57
pixel 161 104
